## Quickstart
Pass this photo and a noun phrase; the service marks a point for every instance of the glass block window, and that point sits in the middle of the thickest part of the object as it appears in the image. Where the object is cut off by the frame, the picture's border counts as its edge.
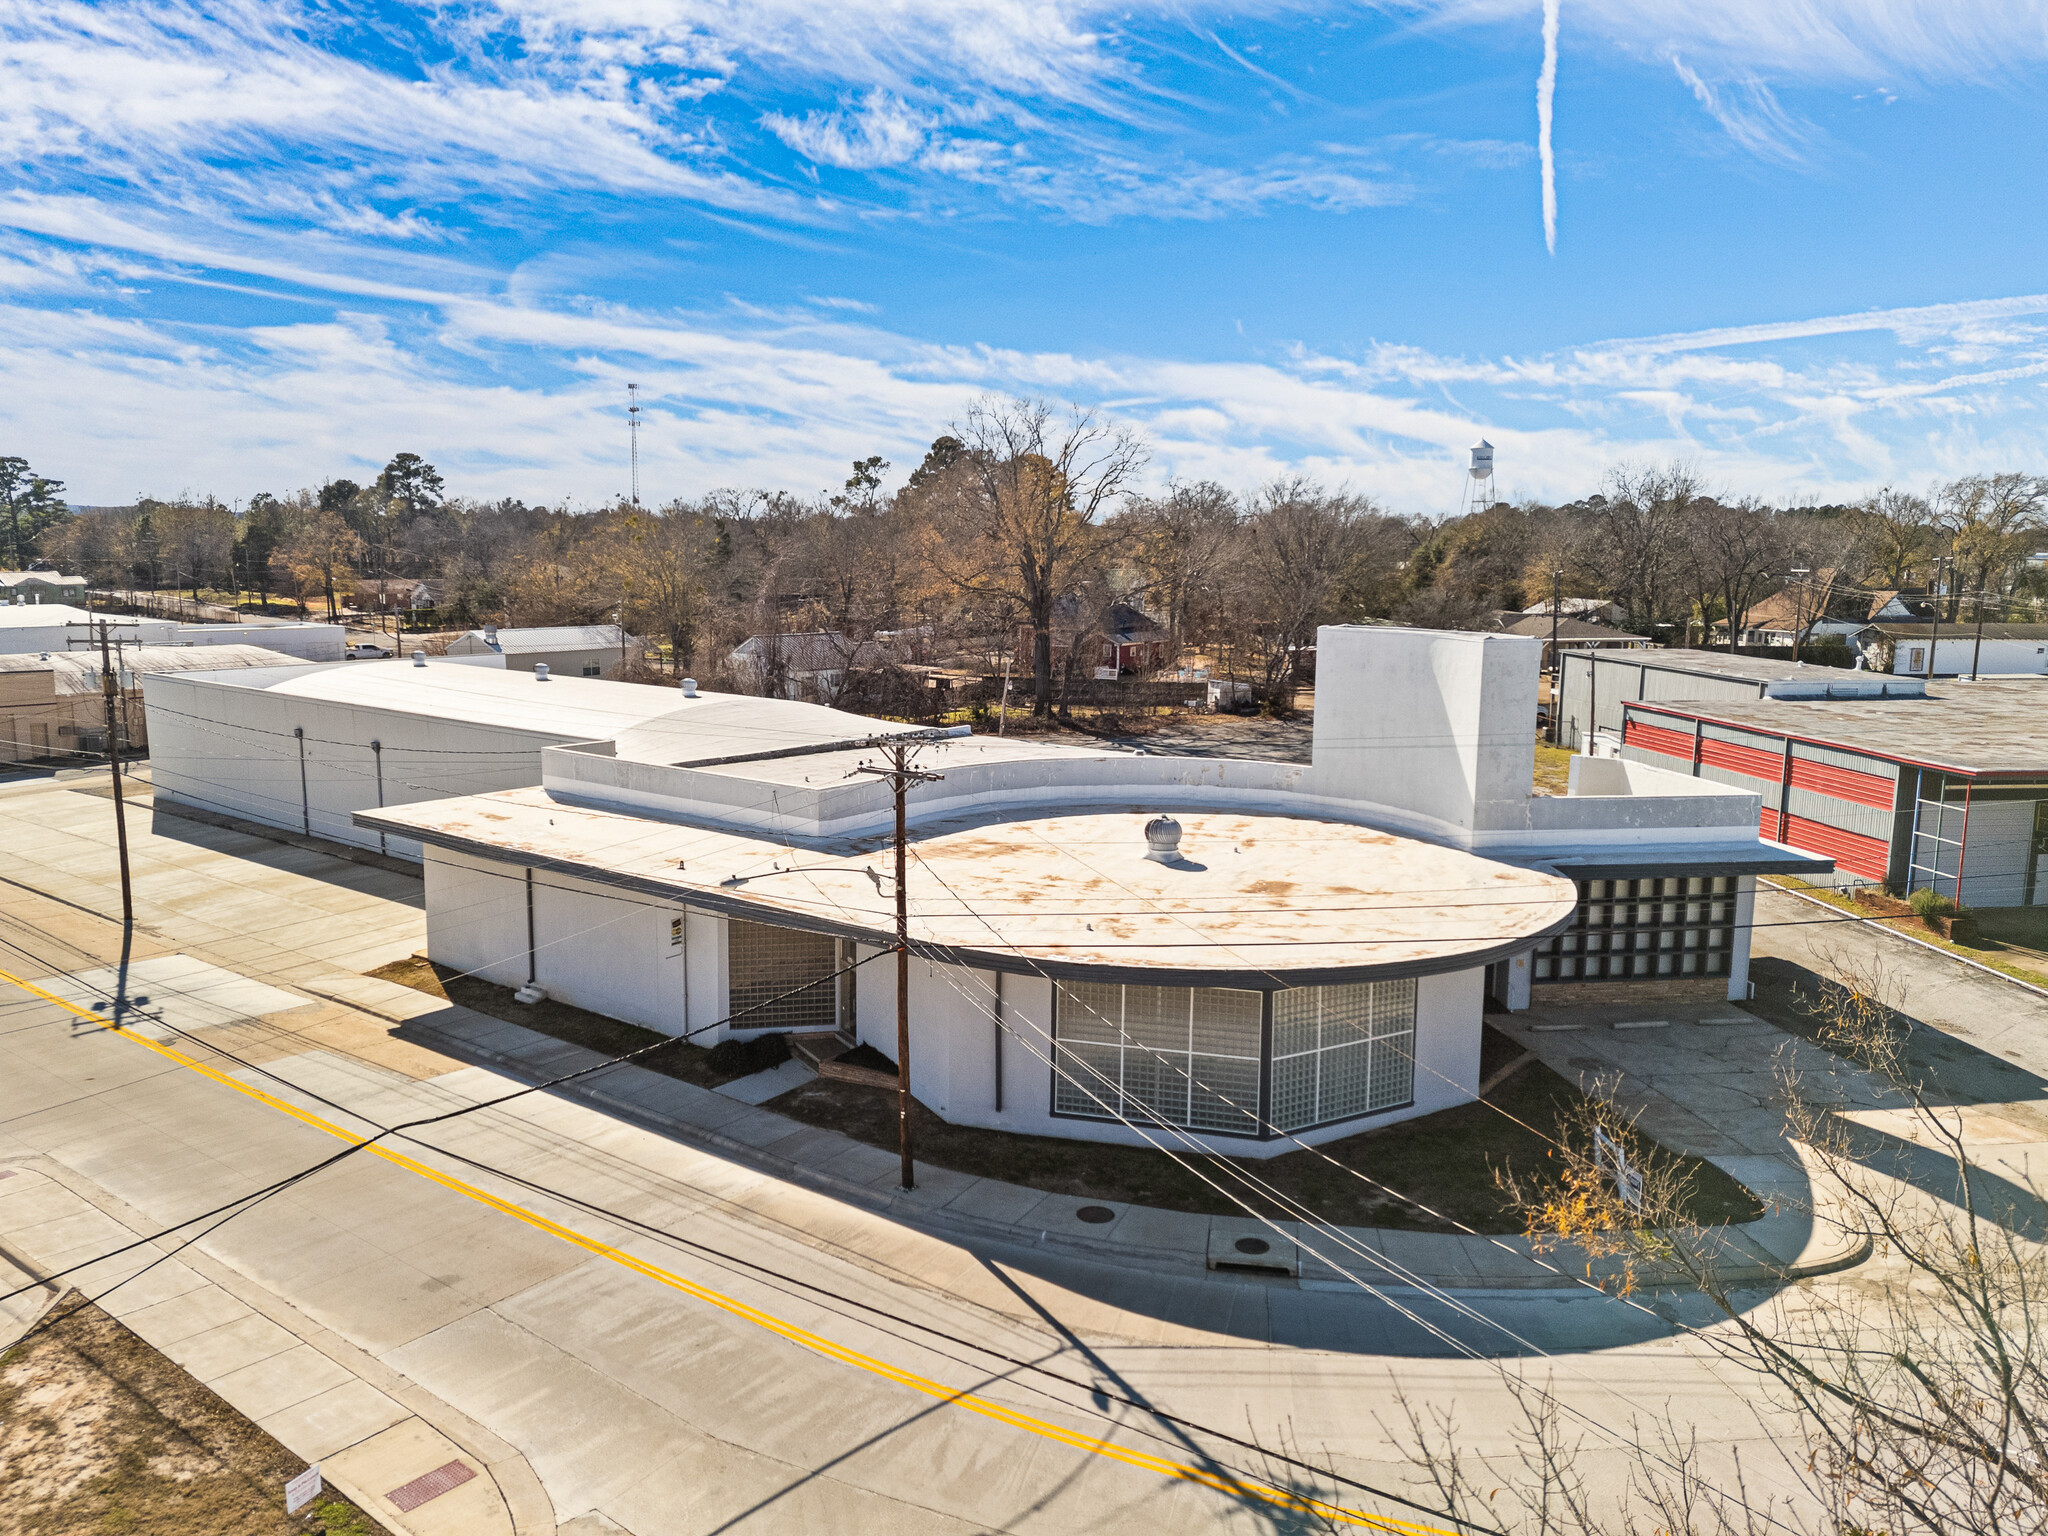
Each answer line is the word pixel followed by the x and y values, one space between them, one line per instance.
pixel 1342 1051
pixel 1184 1056
pixel 1627 930
pixel 764 961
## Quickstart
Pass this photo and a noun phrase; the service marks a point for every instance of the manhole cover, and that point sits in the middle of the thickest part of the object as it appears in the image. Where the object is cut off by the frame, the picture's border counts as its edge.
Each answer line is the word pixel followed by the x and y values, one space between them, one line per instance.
pixel 1095 1215
pixel 1253 1245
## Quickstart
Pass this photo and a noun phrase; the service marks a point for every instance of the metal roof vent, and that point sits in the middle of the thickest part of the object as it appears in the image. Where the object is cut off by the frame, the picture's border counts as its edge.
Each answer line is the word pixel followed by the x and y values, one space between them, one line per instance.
pixel 491 635
pixel 540 671
pixel 419 658
pixel 1162 840
pixel 689 687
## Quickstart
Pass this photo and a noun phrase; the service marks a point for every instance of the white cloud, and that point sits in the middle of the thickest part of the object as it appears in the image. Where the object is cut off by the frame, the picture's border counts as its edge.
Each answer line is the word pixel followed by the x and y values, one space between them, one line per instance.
pixel 782 398
pixel 1751 115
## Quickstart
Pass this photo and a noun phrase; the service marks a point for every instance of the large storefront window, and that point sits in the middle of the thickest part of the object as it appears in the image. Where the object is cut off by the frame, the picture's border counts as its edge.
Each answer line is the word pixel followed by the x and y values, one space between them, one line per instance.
pixel 1193 1057
pixel 1182 1055
pixel 1342 1051
pixel 763 962
pixel 1626 930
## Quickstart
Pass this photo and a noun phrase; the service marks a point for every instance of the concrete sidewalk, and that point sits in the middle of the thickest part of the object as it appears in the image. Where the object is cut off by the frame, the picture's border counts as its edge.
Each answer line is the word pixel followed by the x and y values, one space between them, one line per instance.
pixel 372 1431
pixel 1786 1244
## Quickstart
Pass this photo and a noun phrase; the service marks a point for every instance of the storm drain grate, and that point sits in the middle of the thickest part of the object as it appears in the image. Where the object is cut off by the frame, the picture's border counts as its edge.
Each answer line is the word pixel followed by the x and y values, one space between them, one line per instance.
pixel 430 1485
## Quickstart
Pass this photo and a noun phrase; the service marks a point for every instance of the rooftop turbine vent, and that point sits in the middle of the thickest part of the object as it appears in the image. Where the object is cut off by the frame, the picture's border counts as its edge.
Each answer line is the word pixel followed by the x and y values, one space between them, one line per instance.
pixel 1162 840
pixel 689 687
pixel 540 671
pixel 419 658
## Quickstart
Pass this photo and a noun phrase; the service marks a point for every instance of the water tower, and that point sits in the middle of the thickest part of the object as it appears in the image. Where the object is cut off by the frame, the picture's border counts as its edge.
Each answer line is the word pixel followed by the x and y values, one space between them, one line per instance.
pixel 1479 491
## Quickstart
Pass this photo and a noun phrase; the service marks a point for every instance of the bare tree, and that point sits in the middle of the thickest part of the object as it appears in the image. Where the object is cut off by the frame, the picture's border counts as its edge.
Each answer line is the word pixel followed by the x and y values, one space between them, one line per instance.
pixel 1923 1391
pixel 1034 486
pixel 1310 557
pixel 1182 540
pixel 1634 537
pixel 1990 523
pixel 1894 532
pixel 1736 554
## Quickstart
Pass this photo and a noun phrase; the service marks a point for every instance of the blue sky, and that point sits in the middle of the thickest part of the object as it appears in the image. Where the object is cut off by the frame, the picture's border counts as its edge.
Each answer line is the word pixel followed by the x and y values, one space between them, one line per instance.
pixel 249 246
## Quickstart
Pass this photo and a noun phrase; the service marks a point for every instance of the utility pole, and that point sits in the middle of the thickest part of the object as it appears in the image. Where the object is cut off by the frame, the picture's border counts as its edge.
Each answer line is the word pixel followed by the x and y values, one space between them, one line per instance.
pixel 1934 641
pixel 1799 575
pixel 1977 650
pixel 107 689
pixel 1556 661
pixel 901 776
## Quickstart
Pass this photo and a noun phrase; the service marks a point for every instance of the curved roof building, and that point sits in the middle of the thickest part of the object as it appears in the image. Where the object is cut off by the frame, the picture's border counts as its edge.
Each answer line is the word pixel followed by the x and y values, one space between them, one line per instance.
pixel 1106 944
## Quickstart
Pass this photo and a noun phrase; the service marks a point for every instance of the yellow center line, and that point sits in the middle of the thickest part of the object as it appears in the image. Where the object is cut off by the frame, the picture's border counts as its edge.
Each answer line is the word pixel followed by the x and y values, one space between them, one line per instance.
pixel 817 1343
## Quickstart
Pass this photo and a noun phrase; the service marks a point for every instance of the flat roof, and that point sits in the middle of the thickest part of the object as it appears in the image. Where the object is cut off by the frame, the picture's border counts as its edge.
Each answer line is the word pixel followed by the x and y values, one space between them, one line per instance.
pixel 1762 669
pixel 37 615
pixel 1255 901
pixel 1991 726
pixel 77 672
pixel 573 708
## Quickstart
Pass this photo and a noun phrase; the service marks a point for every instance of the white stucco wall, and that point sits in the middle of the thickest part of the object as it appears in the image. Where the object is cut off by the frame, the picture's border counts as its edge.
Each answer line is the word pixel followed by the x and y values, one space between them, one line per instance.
pixel 229 748
pixel 594 947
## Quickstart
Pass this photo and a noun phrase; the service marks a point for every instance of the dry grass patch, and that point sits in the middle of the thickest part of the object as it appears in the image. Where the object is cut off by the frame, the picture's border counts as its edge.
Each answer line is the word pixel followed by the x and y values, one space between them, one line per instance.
pixel 100 1433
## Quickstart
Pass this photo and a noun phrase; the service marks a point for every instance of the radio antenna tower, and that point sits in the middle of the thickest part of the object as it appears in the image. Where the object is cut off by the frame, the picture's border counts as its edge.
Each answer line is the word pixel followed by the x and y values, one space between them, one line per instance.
pixel 633 424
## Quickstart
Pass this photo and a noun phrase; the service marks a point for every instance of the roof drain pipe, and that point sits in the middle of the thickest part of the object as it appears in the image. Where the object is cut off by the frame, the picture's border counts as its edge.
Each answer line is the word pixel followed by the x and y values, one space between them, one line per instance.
pixel 532 992
pixel 305 799
pixel 999 1042
pixel 377 751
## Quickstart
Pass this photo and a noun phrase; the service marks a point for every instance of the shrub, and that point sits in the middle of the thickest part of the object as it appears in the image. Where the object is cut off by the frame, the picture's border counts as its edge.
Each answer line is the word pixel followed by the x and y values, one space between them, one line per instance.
pixel 744 1058
pixel 1928 902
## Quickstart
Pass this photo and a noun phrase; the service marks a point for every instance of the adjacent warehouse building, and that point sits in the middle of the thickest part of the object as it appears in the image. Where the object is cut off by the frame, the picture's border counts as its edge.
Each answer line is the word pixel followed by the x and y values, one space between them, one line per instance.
pixel 1955 650
pixel 1249 951
pixel 1943 787
pixel 36 628
pixel 569 650
pixel 307 747
pixel 1595 686
pixel 53 709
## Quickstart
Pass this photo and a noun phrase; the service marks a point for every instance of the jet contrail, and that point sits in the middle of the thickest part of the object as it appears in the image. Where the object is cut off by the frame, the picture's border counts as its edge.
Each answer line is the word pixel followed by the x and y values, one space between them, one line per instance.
pixel 1546 96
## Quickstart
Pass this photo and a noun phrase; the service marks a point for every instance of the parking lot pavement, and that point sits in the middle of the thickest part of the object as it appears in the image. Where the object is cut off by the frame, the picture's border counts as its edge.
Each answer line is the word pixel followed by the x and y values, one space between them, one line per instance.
pixel 1987 1038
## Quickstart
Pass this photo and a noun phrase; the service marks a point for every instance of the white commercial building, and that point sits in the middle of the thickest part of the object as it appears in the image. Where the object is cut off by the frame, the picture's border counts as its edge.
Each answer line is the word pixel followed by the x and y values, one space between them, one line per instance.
pixel 34 628
pixel 307 747
pixel 1255 953
pixel 567 650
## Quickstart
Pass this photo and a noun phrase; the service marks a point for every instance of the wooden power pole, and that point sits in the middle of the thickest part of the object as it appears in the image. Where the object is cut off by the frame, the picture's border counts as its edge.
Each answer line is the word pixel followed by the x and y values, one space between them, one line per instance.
pixel 108 686
pixel 901 776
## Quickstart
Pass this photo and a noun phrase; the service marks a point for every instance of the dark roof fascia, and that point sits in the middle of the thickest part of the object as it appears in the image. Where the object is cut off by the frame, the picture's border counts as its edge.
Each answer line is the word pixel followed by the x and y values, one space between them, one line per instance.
pixel 1279 974
pixel 1765 859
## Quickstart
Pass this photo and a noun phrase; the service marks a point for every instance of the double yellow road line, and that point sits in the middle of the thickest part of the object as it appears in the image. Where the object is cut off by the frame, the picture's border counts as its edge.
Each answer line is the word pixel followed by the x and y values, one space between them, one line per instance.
pixel 1095 1445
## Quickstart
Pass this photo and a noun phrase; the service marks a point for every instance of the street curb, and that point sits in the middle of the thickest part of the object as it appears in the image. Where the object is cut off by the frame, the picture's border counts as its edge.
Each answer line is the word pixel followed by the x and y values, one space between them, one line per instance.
pixel 942 1221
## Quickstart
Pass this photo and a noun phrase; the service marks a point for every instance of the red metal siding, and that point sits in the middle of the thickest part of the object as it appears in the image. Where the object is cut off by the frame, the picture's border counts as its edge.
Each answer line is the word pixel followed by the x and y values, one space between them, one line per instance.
pixel 1767 823
pixel 1865 856
pixel 1656 738
pixel 1754 761
pixel 1843 783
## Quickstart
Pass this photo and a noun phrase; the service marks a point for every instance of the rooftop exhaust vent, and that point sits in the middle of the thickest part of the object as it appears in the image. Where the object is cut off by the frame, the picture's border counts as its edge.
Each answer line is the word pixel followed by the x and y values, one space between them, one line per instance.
pixel 689 687
pixel 1162 840
pixel 419 658
pixel 540 671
